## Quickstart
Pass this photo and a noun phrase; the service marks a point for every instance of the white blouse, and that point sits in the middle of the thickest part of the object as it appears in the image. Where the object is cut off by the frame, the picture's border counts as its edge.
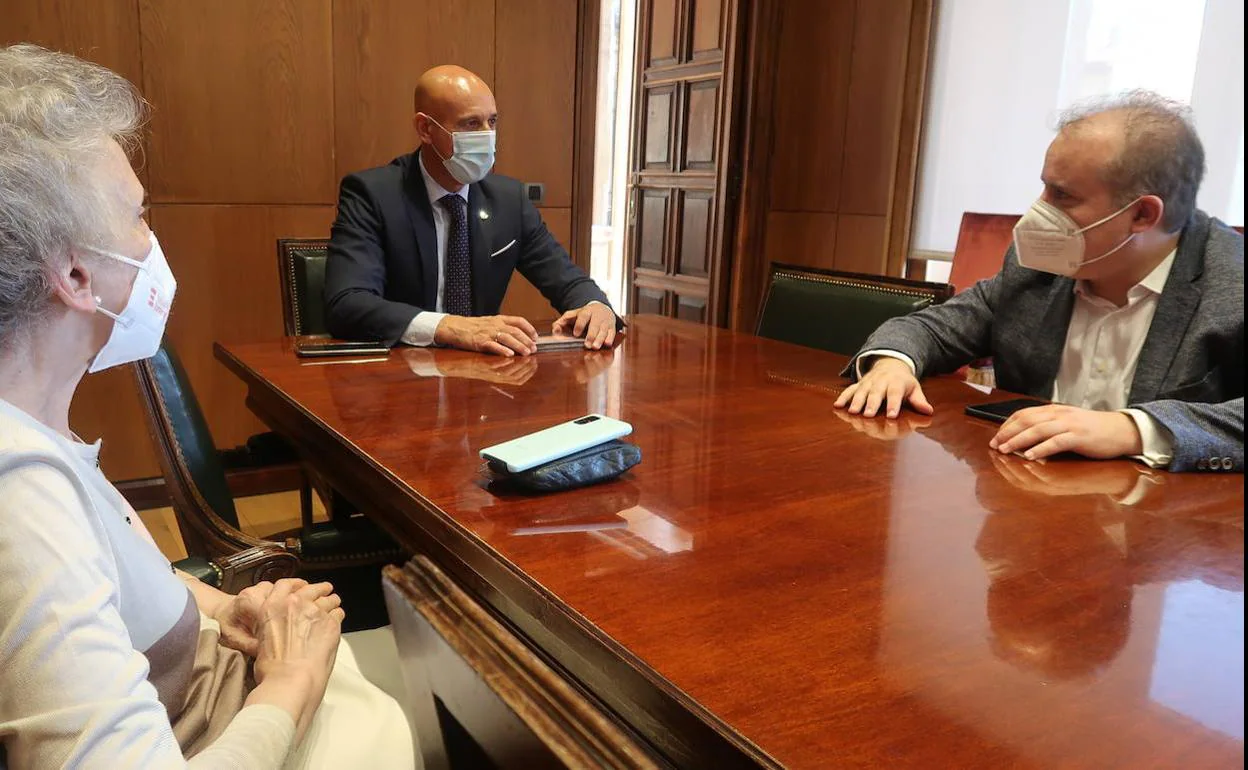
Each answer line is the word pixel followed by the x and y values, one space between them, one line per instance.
pixel 96 630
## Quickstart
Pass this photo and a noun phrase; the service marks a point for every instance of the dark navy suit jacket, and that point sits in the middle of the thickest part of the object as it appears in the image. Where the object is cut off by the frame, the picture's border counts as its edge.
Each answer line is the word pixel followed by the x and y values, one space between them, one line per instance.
pixel 383 263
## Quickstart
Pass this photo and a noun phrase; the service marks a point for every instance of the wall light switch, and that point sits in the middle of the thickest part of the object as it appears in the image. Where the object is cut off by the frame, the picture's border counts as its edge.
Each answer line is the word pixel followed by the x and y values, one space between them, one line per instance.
pixel 535 192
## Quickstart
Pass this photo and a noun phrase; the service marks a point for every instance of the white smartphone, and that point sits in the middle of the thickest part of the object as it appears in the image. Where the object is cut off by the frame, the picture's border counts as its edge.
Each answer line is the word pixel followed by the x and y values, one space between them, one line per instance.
pixel 530 451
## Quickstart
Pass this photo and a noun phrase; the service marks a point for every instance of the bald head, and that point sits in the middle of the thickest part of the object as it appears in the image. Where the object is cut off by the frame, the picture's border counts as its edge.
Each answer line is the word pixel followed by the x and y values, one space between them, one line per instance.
pixel 445 90
pixel 1142 144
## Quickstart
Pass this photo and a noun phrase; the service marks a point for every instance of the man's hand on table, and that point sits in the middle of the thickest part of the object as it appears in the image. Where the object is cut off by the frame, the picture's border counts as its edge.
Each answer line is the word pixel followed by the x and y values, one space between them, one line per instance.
pixel 1047 430
pixel 889 383
pixel 500 335
pixel 595 322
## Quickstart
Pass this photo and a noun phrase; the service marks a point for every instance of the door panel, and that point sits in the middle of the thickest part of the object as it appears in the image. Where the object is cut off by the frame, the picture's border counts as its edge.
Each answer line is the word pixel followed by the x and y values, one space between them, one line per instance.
pixel 683 157
pixel 658 136
pixel 706 27
pixel 695 222
pixel 649 301
pixel 700 125
pixel 653 229
pixel 663 21
pixel 691 308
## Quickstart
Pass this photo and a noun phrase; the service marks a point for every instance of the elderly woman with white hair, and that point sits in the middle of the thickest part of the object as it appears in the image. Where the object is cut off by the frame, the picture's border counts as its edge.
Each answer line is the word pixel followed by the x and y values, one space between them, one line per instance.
pixel 108 658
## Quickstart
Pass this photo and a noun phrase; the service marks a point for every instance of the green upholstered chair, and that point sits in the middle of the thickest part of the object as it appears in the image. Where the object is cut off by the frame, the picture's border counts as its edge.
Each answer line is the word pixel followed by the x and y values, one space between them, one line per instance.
pixel 301 265
pixel 837 311
pixel 202 500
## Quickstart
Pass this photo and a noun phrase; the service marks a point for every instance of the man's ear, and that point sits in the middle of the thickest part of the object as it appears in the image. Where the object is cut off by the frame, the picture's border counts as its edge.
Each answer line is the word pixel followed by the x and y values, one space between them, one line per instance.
pixel 423 127
pixel 1148 213
pixel 73 283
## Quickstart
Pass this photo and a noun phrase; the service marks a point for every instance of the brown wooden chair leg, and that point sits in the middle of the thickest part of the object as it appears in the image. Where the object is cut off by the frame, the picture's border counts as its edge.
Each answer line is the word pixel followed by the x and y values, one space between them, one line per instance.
pixel 305 500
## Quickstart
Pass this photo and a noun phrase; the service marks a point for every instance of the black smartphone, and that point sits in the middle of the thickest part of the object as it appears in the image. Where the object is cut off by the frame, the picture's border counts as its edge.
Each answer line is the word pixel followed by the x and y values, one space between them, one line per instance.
pixel 321 348
pixel 1000 411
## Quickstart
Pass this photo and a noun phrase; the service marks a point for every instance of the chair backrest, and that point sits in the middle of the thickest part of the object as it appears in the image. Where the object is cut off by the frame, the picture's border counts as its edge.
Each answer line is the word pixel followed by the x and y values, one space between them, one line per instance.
pixel 837 311
pixel 982 243
pixel 202 500
pixel 301 265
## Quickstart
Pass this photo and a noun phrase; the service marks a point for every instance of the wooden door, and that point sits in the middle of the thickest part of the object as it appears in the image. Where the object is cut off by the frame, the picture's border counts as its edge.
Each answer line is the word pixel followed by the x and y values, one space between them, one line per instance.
pixel 683 158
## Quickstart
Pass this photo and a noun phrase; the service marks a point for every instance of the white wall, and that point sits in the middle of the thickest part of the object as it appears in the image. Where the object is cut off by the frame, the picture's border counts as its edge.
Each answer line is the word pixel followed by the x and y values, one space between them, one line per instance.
pixel 1218 101
pixel 993 87
pixel 997 84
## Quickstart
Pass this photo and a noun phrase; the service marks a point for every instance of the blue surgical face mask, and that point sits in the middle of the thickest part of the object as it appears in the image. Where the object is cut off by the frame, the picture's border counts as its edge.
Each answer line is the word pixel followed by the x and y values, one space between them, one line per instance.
pixel 472 154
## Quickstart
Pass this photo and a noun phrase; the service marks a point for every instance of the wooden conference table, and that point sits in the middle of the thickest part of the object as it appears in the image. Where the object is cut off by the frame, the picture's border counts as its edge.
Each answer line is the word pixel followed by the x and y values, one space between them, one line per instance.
pixel 781 584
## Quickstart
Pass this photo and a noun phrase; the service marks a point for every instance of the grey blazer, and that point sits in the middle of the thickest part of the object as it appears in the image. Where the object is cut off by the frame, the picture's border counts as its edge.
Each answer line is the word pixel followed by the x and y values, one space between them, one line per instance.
pixel 1190 374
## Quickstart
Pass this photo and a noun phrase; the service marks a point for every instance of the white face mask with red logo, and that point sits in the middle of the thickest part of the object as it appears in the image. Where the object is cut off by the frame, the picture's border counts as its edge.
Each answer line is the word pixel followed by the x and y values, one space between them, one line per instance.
pixel 140 326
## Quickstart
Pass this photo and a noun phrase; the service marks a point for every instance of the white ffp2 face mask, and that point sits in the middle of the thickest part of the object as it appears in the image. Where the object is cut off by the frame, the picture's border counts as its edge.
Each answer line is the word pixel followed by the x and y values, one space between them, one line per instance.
pixel 139 327
pixel 472 154
pixel 1047 239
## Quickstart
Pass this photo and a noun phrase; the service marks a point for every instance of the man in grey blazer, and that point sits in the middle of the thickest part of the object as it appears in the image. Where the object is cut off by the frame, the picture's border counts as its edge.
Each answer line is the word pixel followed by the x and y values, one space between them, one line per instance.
pixel 423 248
pixel 1119 301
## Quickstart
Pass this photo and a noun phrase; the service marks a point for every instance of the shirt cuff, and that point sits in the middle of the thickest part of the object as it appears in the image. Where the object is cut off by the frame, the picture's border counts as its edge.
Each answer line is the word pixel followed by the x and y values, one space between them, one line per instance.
pixel 1156 440
pixel 907 360
pixel 421 330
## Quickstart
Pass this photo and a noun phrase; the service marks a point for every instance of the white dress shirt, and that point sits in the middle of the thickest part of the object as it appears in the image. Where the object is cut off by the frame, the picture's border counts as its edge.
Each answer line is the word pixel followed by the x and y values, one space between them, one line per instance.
pixel 1103 344
pixel 420 331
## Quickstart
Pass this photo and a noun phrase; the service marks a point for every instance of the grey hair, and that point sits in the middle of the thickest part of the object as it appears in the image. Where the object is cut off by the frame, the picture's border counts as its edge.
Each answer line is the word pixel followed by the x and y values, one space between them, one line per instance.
pixel 1161 152
pixel 58 114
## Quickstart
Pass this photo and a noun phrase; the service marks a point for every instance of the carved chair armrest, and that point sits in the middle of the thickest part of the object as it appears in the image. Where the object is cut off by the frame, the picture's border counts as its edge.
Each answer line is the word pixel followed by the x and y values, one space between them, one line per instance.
pixel 253 565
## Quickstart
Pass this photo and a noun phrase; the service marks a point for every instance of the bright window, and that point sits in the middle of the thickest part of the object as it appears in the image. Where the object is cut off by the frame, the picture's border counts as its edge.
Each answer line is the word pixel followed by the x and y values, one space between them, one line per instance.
pixel 1002 70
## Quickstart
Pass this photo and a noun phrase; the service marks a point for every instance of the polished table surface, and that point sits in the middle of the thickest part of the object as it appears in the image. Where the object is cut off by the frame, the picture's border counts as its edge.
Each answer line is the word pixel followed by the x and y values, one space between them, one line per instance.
pixel 778 583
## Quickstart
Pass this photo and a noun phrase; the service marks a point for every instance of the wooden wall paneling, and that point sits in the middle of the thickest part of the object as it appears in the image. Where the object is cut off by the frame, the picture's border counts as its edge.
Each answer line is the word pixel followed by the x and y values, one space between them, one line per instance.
pixel 860 241
pixel 103 31
pixel 523 298
pixel 228 290
pixel 749 269
pixel 801 238
pixel 243 98
pixel 877 74
pixel 535 86
pixel 380 48
pixel 913 100
pixel 585 129
pixel 811 104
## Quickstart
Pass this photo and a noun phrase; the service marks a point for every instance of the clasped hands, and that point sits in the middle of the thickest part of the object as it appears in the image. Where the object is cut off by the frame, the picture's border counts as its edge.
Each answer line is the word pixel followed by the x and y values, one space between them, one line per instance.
pixel 268 614
pixel 1034 433
pixel 508 335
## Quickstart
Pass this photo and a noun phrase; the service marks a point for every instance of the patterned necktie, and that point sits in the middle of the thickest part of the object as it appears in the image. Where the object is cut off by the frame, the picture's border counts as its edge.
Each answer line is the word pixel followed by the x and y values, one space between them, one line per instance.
pixel 457 299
